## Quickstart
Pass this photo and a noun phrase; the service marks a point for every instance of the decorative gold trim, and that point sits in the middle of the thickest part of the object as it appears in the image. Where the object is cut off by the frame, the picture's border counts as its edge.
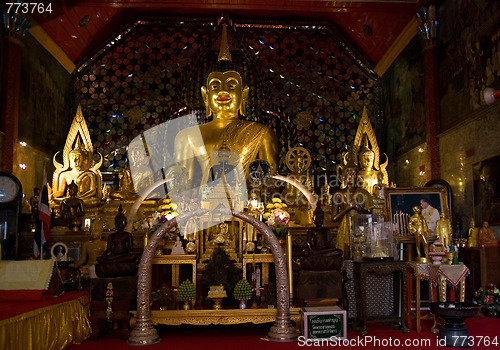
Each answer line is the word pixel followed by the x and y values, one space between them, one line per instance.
pixel 222 316
pixel 50 45
pixel 397 46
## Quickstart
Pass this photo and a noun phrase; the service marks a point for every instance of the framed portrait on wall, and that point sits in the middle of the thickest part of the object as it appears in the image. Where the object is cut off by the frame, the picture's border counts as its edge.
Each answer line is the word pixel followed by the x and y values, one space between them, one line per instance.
pixel 400 202
pixel 486 190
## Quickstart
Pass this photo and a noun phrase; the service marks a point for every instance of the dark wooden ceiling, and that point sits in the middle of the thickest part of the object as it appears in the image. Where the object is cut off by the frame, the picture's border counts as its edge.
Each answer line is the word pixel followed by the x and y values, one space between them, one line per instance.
pixel 80 27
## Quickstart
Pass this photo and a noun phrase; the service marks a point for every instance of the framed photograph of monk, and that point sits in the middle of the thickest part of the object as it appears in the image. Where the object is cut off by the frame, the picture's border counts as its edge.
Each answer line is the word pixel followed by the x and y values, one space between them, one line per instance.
pixel 400 203
pixel 486 191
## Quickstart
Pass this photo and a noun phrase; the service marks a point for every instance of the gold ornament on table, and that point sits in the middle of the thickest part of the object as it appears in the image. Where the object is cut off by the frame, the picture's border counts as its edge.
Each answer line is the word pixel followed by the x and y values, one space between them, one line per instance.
pixel 225 97
pixel 217 293
pixel 78 166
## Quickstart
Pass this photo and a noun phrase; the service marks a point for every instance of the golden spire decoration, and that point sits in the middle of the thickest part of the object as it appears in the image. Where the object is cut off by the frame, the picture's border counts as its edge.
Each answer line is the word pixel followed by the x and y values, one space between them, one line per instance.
pixel 224 54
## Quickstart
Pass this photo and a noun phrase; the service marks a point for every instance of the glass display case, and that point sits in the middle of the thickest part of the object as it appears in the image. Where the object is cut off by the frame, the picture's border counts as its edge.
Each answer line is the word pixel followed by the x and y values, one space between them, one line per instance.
pixel 372 238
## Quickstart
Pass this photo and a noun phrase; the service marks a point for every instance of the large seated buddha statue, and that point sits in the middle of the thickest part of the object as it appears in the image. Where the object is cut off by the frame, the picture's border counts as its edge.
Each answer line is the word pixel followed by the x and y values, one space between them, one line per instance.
pixel 368 159
pixel 225 96
pixel 78 167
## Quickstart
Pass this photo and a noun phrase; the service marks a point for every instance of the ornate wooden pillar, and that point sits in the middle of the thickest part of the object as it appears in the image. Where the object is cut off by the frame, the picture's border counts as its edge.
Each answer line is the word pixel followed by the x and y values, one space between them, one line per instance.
pixel 15 25
pixel 427 30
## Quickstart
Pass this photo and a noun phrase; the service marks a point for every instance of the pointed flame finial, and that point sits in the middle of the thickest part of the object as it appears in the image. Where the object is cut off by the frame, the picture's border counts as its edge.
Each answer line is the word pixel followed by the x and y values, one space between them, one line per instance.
pixel 224 54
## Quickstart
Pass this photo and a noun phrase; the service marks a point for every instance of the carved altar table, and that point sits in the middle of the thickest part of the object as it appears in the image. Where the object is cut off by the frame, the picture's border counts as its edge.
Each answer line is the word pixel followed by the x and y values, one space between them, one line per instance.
pixel 222 316
pixel 399 271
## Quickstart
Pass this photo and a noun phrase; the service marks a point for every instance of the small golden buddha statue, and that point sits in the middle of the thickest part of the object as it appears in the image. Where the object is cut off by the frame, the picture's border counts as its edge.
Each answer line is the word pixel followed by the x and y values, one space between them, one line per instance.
pixel 225 97
pixel 418 227
pixel 125 186
pixel 221 235
pixel 78 166
pixel 367 159
pixel 473 234
pixel 347 202
pixel 91 250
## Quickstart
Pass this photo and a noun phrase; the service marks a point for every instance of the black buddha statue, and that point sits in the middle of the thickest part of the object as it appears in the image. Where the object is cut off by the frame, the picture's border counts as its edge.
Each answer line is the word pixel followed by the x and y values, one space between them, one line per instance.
pixel 320 276
pixel 321 254
pixel 118 259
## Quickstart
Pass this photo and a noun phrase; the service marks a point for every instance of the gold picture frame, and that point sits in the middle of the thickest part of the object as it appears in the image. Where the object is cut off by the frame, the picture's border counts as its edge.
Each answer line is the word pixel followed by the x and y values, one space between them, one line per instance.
pixel 399 203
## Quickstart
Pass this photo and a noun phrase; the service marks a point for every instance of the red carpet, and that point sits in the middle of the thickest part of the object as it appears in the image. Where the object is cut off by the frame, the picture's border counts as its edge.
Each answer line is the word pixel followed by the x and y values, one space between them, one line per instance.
pixel 241 337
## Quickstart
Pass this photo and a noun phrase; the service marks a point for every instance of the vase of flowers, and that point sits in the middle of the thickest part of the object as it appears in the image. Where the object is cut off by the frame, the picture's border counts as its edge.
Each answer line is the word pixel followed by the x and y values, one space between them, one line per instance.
pixel 186 293
pixel 242 292
pixel 277 218
pixel 488 299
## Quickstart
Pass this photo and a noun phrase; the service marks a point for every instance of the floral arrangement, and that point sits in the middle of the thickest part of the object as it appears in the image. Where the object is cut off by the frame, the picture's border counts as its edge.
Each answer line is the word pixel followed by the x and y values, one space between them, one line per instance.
pixel 488 298
pixel 277 218
pixel 186 291
pixel 242 290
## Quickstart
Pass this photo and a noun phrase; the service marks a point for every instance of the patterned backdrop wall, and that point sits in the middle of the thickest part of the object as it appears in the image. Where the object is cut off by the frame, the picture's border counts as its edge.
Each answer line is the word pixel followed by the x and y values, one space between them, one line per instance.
pixel 305 81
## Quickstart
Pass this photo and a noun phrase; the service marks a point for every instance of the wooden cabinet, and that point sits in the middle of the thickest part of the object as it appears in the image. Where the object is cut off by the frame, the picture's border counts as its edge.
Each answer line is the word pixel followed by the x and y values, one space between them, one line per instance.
pixel 484 265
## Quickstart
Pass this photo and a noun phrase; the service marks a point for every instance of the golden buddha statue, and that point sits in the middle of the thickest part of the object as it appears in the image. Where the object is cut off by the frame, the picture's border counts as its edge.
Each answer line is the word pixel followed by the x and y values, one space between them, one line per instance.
pixel 126 190
pixel 347 202
pixel 367 175
pixel 473 234
pixel 78 166
pixel 225 97
pixel 91 250
pixel 367 159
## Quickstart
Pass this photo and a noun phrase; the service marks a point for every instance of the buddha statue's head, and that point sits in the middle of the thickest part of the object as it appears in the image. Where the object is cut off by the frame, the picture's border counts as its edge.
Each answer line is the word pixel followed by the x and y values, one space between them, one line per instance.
pixel 416 209
pixel 366 156
pixel 76 159
pixel 79 157
pixel 120 220
pixel 472 222
pixel 225 94
pixel 319 216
